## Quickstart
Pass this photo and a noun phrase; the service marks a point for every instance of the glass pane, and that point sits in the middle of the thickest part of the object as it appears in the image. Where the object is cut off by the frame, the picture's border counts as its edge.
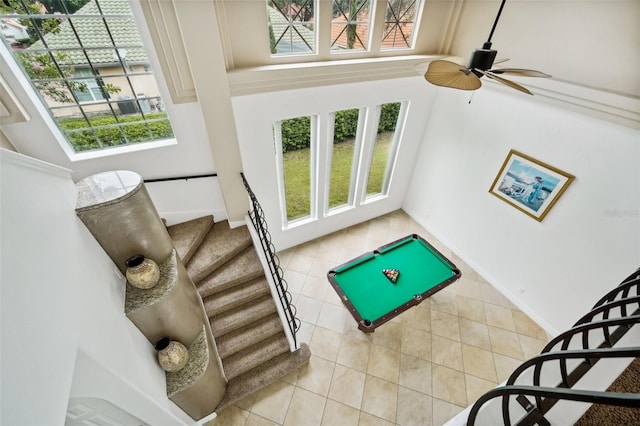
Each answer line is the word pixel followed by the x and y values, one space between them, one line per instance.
pixel 90 68
pixel 296 159
pixel 382 147
pixel 399 22
pixel 350 24
pixel 345 128
pixel 291 26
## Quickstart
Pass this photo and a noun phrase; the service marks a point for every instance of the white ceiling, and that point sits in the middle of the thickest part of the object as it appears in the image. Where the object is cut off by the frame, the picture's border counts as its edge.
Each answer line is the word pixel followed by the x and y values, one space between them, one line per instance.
pixel 593 43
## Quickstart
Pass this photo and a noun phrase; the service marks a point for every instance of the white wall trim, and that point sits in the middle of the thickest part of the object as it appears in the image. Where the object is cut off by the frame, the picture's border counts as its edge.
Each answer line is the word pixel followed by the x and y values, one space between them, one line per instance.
pixel 615 107
pixel 34 164
pixel 11 110
pixel 270 78
pixel 162 23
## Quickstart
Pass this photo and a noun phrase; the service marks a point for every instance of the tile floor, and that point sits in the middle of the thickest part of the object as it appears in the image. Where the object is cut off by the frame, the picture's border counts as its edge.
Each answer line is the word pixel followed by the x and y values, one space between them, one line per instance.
pixel 422 368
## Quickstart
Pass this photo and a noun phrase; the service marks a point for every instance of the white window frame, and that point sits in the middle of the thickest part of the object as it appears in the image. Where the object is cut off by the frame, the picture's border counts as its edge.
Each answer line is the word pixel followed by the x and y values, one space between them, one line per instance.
pixel 321 158
pixel 322 28
pixel 313 173
pixel 40 115
pixel 355 162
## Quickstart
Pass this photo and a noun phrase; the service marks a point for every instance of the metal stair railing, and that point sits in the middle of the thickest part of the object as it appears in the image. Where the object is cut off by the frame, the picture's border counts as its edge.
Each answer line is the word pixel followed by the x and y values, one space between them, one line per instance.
pixel 617 300
pixel 594 397
pixel 562 356
pixel 256 214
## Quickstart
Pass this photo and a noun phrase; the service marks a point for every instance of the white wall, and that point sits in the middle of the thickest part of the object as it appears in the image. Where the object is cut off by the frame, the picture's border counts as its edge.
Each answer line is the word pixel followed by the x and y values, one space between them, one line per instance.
pixel 182 200
pixel 556 269
pixel 62 297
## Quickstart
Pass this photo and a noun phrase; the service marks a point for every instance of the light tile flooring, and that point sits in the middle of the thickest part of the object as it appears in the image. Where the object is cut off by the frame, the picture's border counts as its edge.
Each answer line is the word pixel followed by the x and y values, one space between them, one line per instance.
pixel 422 368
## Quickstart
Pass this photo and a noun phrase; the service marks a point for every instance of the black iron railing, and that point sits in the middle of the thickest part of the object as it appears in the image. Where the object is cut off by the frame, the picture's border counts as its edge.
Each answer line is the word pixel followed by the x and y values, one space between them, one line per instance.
pixel 260 225
pixel 613 315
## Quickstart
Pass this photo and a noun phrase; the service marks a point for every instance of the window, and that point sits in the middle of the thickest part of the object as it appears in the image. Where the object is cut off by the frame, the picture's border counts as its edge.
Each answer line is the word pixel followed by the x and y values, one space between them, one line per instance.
pixel 294 146
pixel 86 60
pixel 291 26
pixel 89 89
pixel 293 23
pixel 384 148
pixel 346 138
pixel 400 19
pixel 361 146
pixel 350 24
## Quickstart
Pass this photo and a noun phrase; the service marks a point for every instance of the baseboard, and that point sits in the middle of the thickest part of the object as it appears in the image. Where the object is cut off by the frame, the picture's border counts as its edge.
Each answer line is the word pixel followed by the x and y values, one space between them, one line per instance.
pixel 485 275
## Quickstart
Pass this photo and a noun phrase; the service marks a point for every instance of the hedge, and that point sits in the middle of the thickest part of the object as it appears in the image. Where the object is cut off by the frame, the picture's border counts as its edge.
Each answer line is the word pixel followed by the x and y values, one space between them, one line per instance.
pixel 82 137
pixel 296 132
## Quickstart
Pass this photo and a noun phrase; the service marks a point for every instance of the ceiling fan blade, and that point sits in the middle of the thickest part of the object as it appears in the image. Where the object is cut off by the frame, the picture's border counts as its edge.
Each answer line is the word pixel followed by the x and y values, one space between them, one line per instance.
pixel 421 67
pixel 506 82
pixel 519 71
pixel 500 60
pixel 449 74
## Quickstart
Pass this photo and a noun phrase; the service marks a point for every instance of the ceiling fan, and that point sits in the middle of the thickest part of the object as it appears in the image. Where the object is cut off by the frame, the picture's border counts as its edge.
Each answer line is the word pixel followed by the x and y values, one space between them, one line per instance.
pixel 450 74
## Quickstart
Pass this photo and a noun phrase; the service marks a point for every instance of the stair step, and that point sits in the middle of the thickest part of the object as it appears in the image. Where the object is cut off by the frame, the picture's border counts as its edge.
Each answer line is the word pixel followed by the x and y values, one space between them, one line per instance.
pixel 235 296
pixel 237 340
pixel 255 355
pixel 219 245
pixel 243 267
pixel 257 378
pixel 239 305
pixel 188 236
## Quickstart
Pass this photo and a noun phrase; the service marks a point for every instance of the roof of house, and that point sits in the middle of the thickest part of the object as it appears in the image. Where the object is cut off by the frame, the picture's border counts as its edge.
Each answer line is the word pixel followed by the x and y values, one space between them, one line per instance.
pixel 280 25
pixel 394 36
pixel 92 33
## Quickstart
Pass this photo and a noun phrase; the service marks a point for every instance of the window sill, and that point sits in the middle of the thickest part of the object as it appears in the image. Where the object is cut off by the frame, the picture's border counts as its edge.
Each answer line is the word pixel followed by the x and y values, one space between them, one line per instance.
pixel 271 78
pixel 123 150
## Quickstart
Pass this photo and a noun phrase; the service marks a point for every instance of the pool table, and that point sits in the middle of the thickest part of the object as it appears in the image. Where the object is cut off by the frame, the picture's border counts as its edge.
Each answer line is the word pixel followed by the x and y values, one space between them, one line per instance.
pixel 366 284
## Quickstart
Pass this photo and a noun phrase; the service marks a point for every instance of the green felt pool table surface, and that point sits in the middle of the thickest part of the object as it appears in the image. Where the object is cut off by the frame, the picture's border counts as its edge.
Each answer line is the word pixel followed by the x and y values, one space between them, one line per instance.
pixel 372 297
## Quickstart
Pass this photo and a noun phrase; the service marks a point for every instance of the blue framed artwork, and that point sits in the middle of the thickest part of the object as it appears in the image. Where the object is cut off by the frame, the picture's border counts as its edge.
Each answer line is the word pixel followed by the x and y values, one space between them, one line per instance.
pixel 529 185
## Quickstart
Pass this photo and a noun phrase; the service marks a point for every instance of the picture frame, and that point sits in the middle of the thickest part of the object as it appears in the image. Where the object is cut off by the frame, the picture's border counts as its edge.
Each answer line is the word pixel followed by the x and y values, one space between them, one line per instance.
pixel 529 185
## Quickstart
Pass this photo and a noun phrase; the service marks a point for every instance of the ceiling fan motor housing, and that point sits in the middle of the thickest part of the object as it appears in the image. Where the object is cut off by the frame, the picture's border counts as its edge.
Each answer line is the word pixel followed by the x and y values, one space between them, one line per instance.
pixel 482 59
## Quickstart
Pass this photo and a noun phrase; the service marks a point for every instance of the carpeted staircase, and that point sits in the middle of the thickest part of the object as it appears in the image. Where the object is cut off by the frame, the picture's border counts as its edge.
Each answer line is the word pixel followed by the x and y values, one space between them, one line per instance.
pixel 227 272
pixel 609 415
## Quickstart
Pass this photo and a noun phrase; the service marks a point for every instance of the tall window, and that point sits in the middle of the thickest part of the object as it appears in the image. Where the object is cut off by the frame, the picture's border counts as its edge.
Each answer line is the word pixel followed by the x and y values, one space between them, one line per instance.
pixel 343 167
pixel 358 166
pixel 291 26
pixel 294 152
pixel 383 149
pixel 86 60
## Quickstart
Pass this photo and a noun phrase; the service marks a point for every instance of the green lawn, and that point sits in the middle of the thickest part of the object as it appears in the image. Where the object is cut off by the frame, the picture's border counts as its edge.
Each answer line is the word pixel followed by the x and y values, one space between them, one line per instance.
pixel 297 175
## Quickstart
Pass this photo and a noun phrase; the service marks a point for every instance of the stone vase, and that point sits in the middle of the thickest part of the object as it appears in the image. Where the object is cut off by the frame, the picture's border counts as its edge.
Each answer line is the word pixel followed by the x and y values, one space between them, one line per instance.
pixel 142 272
pixel 172 355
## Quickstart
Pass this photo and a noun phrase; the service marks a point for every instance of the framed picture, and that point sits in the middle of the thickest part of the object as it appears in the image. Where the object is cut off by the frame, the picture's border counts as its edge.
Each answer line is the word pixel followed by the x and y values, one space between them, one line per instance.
pixel 529 185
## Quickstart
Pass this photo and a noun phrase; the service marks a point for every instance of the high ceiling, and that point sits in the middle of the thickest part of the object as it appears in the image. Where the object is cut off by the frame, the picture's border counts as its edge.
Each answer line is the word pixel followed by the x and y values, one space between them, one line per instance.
pixel 592 43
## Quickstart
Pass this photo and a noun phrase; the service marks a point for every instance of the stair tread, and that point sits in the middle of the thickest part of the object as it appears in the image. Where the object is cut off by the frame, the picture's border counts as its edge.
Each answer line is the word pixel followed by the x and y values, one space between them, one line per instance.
pixel 242 299
pixel 259 377
pixel 219 245
pixel 187 236
pixel 241 315
pixel 243 267
pixel 237 340
pixel 256 354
